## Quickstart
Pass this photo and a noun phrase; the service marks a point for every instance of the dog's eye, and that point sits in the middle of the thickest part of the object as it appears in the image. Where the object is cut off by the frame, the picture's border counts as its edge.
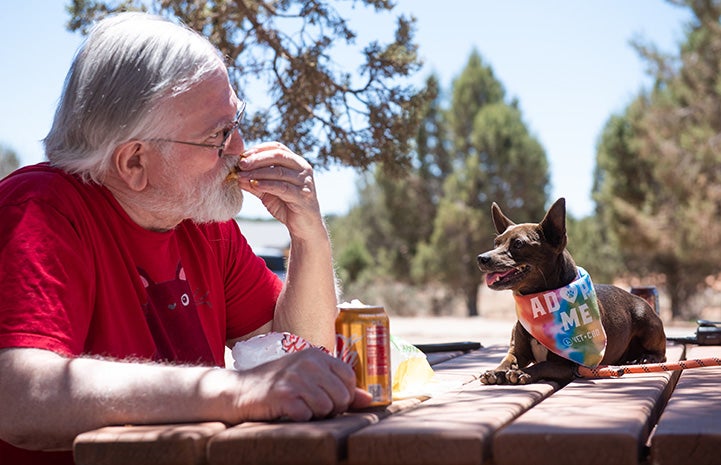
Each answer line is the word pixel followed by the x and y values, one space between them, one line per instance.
pixel 517 243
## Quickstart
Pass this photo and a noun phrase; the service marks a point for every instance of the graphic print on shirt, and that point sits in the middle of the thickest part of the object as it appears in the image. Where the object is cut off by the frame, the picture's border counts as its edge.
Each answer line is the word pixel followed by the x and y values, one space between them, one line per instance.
pixel 173 320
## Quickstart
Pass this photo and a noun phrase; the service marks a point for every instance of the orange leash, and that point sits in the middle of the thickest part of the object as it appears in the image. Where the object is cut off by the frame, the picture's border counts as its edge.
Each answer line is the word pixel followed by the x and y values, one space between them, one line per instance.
pixel 611 371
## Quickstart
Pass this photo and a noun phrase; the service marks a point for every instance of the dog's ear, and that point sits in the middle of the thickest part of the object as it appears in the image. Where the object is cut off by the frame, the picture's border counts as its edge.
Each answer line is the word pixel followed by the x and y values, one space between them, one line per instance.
pixel 553 225
pixel 500 221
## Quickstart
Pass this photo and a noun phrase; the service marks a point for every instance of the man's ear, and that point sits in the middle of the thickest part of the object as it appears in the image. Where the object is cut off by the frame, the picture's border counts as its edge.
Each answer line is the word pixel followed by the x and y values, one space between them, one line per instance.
pixel 130 160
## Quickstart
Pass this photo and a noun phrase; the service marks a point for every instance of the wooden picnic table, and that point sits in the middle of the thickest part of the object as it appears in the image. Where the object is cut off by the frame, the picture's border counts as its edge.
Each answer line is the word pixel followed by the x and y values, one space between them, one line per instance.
pixel 662 418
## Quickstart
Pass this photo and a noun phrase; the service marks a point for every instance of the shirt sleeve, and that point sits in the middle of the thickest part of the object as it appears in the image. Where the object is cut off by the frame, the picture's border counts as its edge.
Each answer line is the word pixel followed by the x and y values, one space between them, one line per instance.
pixel 252 290
pixel 46 280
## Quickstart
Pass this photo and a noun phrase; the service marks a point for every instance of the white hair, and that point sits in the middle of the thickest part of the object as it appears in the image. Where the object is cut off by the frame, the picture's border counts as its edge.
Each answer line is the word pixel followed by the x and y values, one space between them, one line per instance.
pixel 129 64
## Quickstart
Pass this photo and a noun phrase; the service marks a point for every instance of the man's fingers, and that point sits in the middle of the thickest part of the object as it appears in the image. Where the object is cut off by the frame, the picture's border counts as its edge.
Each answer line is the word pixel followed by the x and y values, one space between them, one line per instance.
pixel 362 399
pixel 300 386
pixel 326 385
pixel 344 372
pixel 271 154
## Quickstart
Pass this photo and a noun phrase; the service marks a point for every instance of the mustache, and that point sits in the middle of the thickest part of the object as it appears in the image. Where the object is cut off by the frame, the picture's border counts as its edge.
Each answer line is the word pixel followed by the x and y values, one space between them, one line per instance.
pixel 231 167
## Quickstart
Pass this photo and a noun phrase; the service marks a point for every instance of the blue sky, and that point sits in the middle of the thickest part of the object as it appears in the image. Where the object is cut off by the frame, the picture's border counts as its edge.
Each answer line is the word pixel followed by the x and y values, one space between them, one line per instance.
pixel 568 62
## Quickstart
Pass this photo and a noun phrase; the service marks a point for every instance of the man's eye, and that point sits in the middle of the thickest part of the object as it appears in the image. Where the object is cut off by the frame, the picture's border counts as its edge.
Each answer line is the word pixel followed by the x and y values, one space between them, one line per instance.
pixel 216 136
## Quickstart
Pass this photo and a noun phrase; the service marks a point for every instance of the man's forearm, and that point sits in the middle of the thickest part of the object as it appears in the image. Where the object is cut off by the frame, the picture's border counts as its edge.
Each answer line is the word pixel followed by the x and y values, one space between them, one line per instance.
pixel 50 399
pixel 308 304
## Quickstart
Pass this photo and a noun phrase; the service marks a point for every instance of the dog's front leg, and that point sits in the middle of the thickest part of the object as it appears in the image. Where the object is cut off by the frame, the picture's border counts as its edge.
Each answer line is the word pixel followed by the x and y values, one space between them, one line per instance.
pixel 498 374
pixel 560 370
pixel 519 356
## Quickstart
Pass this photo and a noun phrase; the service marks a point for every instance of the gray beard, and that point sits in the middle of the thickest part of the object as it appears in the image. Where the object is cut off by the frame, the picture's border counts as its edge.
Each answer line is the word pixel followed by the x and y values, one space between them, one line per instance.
pixel 209 199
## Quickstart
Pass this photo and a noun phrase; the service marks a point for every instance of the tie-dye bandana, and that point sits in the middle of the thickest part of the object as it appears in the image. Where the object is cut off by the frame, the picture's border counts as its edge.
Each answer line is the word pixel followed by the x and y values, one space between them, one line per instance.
pixel 566 320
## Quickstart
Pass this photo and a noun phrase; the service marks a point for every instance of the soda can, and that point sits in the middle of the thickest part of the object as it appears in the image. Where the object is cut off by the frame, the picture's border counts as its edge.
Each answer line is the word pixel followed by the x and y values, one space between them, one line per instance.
pixel 363 341
pixel 649 294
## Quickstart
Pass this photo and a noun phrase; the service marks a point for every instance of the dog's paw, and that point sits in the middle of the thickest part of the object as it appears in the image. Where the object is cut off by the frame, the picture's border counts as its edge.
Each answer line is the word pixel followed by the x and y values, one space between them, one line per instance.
pixel 512 376
pixel 493 377
pixel 517 377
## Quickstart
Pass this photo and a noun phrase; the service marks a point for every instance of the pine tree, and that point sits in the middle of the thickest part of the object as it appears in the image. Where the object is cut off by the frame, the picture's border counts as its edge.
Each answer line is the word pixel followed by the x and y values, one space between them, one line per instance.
pixel 495 159
pixel 288 53
pixel 660 164
pixel 397 207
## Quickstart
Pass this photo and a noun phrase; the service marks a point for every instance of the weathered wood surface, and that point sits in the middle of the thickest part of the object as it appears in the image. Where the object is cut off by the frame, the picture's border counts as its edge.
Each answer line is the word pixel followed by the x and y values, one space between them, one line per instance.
pixel 317 442
pixel 183 444
pixel 689 431
pixel 590 421
pixel 457 420
pixel 454 427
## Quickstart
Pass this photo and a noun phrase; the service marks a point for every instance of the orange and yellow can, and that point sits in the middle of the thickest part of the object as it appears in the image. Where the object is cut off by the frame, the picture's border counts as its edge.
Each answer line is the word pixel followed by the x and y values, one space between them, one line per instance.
pixel 363 340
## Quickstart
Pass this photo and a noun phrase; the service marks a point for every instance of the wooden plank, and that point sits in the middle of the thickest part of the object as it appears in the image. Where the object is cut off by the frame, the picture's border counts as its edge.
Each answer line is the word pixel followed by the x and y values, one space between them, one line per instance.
pixel 469 366
pixel 281 443
pixel 182 444
pixel 451 428
pixel 689 431
pixel 439 357
pixel 594 421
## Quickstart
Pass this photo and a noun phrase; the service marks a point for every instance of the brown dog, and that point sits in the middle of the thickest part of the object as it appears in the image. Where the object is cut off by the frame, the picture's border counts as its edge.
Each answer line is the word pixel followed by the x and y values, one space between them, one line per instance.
pixel 532 259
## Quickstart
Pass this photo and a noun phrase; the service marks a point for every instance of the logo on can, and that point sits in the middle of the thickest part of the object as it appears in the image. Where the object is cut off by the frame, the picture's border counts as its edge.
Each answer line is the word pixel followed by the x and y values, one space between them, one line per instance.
pixel 363 341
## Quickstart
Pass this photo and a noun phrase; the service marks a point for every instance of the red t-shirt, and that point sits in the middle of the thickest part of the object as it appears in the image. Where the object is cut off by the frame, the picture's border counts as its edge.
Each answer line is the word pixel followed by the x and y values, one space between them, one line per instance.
pixel 78 276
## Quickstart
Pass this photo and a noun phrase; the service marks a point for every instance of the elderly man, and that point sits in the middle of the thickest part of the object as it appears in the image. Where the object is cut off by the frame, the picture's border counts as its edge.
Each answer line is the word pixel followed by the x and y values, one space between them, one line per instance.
pixel 123 274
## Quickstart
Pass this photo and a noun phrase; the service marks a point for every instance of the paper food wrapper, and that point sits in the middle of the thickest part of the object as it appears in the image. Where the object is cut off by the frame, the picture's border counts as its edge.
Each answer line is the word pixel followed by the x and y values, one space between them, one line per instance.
pixel 265 348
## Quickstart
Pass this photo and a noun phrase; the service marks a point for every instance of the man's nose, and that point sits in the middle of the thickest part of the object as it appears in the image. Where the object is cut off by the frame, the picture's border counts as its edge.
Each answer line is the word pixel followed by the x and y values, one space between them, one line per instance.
pixel 236 143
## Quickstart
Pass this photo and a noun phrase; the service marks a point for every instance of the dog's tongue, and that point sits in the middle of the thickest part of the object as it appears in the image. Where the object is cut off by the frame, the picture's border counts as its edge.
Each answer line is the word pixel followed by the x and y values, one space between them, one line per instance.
pixel 492 278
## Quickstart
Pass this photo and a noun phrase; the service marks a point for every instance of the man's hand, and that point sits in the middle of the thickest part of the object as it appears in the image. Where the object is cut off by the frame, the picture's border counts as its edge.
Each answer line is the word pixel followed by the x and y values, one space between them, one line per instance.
pixel 300 386
pixel 284 182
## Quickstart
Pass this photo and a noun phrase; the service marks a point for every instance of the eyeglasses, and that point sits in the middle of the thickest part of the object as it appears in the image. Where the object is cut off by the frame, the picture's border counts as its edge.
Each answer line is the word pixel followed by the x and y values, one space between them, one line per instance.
pixel 225 132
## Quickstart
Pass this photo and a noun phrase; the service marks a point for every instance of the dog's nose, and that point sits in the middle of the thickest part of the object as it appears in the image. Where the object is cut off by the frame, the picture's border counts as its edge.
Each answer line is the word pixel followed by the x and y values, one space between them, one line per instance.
pixel 483 259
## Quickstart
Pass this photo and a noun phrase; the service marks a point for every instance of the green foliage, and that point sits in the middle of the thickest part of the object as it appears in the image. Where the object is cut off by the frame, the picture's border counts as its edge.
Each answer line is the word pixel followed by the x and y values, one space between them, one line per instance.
pixel 495 160
pixel 514 162
pixel 396 208
pixel 288 52
pixel 354 259
pixel 460 233
pixel 474 88
pixel 592 249
pixel 429 225
pixel 658 165
pixel 9 161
